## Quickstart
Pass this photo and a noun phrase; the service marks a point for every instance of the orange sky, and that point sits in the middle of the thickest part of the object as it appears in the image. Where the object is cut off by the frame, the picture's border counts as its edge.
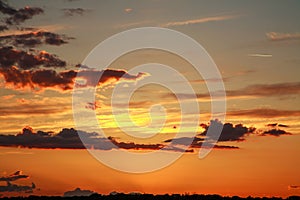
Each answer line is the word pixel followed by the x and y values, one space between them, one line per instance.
pixel 43 57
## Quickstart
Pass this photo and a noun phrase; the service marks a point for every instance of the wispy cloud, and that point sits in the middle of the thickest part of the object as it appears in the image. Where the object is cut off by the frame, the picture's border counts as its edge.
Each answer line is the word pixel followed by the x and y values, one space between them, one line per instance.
pixel 274 36
pixel 199 21
pixel 260 55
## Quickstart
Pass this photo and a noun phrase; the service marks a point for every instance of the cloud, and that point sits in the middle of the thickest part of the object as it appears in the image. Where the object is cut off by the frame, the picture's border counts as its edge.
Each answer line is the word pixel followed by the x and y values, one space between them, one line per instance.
pixel 74 11
pixel 273 36
pixel 78 193
pixel 128 10
pixel 3 28
pixel 17 188
pixel 261 55
pixel 264 113
pixel 276 124
pixel 68 139
pixel 92 105
pixel 17 16
pixel 275 132
pixel 230 132
pixel 293 187
pixel 33 39
pixel 25 109
pixel 13 187
pixel 198 21
pixel 13 177
pixel 27 60
pixel 196 143
pixel 258 90
pixel 47 78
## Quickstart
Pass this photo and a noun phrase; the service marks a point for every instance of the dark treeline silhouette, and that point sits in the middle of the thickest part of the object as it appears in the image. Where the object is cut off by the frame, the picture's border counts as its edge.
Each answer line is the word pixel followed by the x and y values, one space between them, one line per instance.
pixel 151 196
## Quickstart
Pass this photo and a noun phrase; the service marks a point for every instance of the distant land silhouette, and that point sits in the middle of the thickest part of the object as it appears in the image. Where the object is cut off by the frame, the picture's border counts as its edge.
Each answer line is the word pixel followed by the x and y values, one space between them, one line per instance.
pixel 139 196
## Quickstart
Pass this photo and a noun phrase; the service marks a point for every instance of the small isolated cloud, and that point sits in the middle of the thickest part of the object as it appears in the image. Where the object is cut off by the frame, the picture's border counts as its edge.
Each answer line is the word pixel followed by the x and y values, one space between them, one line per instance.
pixel 128 10
pixel 275 132
pixel 92 105
pixel 293 187
pixel 78 193
pixel 74 11
pixel 199 21
pixel 273 36
pixel 276 124
pixel 261 55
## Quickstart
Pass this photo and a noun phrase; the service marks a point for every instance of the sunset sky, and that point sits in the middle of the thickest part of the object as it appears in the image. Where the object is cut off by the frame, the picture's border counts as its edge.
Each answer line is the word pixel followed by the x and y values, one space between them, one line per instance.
pixel 254 44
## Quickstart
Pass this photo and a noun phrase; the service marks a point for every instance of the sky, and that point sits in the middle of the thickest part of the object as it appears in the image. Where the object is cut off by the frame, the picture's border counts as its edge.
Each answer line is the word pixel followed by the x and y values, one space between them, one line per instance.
pixel 45 49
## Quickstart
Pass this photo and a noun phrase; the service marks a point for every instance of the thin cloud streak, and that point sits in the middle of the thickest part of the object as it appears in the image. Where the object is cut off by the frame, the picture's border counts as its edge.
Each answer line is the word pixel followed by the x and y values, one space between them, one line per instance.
pixel 199 21
pixel 261 55
pixel 274 36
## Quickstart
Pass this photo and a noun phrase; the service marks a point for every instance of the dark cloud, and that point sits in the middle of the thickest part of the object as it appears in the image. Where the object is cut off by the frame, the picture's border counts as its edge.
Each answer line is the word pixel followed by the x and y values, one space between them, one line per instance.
pixel 68 139
pixel 78 193
pixel 13 177
pixel 275 132
pixel 64 80
pixel 27 60
pixel 96 77
pixel 33 39
pixel 230 132
pixel 276 124
pixel 17 188
pixel 264 113
pixel 74 11
pixel 132 145
pixel 6 9
pixel 17 16
pixel 197 143
pixel 3 28
pixel 13 187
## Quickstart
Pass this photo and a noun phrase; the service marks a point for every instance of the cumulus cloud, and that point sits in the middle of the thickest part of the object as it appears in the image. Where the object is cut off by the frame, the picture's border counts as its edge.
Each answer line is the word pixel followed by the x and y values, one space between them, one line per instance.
pixel 198 21
pixel 273 36
pixel 17 16
pixel 68 139
pixel 47 78
pixel 74 11
pixel 230 132
pixel 28 60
